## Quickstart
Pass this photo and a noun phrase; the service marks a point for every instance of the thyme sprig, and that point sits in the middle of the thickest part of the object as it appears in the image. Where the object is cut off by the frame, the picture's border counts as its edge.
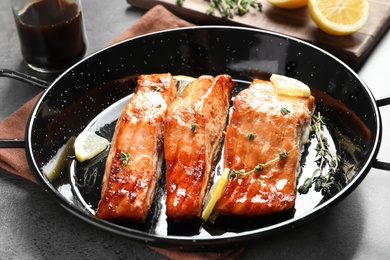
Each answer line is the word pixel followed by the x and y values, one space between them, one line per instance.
pixel 230 8
pixel 327 160
pixel 261 166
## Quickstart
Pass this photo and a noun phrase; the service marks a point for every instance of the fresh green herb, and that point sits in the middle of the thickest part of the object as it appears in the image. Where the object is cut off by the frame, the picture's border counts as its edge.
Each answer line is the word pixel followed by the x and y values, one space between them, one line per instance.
pixel 156 88
pixel 283 155
pixel 125 157
pixel 230 8
pixel 193 127
pixel 326 160
pixel 251 136
pixel 235 173
pixel 261 166
pixel 284 111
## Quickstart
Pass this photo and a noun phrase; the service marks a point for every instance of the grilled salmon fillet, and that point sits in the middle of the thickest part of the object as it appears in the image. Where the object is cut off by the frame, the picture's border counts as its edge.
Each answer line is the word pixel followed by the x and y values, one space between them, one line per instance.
pixel 133 166
pixel 264 125
pixel 193 132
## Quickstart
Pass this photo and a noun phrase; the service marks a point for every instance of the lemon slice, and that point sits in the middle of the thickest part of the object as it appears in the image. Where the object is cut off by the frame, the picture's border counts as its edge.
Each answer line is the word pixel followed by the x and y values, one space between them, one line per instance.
pixel 184 78
pixel 182 81
pixel 214 194
pixel 87 145
pixel 339 17
pixel 288 4
pixel 54 167
pixel 289 86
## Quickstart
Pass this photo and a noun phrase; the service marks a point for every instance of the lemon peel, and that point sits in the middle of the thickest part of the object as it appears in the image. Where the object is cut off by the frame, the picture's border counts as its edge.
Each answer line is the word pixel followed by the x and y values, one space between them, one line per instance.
pixel 289 4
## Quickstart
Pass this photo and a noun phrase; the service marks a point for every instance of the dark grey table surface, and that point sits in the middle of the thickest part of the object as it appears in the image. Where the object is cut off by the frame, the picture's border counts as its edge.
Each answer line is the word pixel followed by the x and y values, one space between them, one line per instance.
pixel 34 226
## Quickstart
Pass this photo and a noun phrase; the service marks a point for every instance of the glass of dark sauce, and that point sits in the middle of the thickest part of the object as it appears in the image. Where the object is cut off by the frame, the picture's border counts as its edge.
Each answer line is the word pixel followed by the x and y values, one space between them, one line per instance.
pixel 51 33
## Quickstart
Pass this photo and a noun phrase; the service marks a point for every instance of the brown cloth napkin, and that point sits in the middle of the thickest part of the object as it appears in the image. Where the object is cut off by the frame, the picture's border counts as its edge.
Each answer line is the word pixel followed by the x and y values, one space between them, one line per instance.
pixel 14 159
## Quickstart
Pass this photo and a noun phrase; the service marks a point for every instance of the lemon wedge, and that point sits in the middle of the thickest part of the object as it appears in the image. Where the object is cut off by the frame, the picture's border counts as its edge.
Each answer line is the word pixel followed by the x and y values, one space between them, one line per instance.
pixel 87 145
pixel 183 78
pixel 214 194
pixel 288 4
pixel 54 167
pixel 181 82
pixel 289 86
pixel 339 17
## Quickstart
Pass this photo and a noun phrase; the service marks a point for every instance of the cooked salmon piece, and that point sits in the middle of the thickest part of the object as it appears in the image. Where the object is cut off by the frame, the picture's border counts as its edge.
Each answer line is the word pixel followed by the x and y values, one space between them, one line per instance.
pixel 193 133
pixel 263 126
pixel 134 163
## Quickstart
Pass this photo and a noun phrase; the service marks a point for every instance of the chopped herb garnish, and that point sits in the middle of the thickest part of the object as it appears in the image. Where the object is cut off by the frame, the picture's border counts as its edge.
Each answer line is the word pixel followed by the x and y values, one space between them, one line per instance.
pixel 193 127
pixel 125 157
pixel 156 88
pixel 326 159
pixel 251 136
pixel 284 111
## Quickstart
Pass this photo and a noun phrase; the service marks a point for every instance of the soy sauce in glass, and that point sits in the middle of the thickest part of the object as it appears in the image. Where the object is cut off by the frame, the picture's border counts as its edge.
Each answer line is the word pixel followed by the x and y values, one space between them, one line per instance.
pixel 51 34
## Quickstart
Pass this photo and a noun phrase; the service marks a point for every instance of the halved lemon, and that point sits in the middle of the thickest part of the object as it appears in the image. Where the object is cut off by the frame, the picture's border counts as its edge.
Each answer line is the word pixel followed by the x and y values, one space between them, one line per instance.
pixel 339 17
pixel 214 194
pixel 288 4
pixel 290 86
pixel 88 145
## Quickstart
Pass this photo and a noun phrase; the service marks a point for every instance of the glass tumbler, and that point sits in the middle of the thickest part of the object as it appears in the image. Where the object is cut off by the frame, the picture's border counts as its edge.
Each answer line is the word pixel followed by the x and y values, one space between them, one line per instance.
pixel 51 33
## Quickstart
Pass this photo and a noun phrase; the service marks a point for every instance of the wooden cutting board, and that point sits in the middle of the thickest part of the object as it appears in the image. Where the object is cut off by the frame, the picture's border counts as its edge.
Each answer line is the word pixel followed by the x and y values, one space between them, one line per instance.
pixel 352 49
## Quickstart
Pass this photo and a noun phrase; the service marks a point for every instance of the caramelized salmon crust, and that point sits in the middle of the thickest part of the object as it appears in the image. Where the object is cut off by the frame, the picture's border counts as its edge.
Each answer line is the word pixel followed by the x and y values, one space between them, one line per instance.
pixel 133 166
pixel 258 132
pixel 193 132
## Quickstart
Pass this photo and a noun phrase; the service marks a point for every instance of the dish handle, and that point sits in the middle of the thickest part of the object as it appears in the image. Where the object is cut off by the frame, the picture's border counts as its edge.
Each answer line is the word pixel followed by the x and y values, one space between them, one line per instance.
pixel 20 143
pixel 380 164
